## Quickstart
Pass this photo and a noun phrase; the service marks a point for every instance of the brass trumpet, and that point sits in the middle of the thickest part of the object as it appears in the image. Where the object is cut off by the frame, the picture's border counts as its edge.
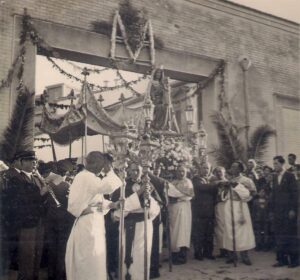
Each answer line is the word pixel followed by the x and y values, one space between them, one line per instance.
pixel 48 185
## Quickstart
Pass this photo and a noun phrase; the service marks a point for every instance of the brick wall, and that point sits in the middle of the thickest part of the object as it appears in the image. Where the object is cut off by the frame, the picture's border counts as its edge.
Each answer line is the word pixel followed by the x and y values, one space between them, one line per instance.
pixel 211 28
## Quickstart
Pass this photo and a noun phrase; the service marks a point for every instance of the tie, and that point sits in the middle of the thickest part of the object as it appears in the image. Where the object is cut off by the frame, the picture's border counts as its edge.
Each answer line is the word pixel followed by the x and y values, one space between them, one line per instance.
pixel 101 176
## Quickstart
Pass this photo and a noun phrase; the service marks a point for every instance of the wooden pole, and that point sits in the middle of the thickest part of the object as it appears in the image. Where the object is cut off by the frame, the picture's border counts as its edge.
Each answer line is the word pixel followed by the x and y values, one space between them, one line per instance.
pixel 53 149
pixel 121 230
pixel 233 227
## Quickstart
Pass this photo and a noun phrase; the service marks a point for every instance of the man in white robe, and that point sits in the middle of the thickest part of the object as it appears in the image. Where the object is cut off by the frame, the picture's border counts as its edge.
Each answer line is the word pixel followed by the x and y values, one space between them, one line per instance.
pixel 86 248
pixel 180 192
pixel 244 235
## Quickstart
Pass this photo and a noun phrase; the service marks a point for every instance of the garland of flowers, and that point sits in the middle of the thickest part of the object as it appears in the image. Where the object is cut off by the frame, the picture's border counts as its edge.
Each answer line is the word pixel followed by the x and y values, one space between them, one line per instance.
pixel 52 105
pixel 219 70
pixel 40 43
pixel 43 139
pixel 20 58
pixel 90 70
pixel 42 146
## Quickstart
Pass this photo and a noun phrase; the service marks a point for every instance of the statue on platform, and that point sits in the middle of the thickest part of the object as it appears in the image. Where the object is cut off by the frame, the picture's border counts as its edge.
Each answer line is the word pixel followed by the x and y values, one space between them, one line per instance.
pixel 164 118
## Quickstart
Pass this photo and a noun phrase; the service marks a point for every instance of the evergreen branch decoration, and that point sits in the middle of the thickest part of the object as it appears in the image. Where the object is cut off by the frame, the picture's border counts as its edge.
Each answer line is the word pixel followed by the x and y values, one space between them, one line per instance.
pixel 19 133
pixel 230 146
pixel 134 21
pixel 259 141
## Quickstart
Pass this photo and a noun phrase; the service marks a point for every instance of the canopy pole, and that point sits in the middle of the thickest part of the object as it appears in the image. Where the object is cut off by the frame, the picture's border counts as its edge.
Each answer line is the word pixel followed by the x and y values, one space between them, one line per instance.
pixel 53 149
pixel 85 72
pixel 70 146
pixel 103 146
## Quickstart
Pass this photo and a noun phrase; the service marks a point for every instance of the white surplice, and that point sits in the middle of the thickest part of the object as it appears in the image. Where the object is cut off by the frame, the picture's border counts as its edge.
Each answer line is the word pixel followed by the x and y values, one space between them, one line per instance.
pixel 86 247
pixel 180 213
pixel 244 236
pixel 133 205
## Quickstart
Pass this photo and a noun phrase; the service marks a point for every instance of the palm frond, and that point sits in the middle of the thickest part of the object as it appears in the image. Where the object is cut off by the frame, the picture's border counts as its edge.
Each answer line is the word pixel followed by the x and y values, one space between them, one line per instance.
pixel 230 146
pixel 18 135
pixel 259 141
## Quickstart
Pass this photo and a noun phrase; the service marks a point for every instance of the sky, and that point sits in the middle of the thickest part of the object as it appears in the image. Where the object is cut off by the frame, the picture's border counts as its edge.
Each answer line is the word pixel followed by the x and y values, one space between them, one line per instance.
pixel 288 9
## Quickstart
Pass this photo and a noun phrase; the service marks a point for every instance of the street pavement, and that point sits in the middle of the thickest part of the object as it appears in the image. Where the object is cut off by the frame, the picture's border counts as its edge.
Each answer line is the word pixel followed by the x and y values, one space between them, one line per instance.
pixel 217 269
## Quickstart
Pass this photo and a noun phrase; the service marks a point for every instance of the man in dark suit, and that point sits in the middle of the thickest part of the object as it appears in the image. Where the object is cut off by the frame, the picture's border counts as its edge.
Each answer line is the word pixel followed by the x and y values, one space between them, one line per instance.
pixel 203 213
pixel 58 221
pixel 30 198
pixel 9 224
pixel 284 209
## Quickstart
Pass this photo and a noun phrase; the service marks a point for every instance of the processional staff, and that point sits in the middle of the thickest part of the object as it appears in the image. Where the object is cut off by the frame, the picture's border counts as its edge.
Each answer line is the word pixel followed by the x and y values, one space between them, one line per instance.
pixel 85 73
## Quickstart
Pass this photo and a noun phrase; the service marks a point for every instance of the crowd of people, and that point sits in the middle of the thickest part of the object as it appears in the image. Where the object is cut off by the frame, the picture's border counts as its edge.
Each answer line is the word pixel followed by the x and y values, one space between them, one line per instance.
pixel 66 217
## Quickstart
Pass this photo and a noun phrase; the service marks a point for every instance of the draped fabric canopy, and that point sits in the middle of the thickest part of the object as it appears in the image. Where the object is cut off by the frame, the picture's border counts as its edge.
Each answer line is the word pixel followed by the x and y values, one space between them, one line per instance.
pixel 66 128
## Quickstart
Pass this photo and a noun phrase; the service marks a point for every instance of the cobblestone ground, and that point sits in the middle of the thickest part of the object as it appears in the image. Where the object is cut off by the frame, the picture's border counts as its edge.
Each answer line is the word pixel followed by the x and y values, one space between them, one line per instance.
pixel 260 270
pixel 210 270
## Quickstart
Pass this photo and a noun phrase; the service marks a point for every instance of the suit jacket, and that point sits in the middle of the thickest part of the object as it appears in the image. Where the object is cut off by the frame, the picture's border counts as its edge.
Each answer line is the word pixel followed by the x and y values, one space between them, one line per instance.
pixel 203 203
pixel 284 199
pixel 31 205
pixel 9 202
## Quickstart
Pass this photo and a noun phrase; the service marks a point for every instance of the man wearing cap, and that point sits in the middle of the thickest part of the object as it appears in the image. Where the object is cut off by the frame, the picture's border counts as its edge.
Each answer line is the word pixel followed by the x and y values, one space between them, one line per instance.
pixel 9 226
pixel 30 197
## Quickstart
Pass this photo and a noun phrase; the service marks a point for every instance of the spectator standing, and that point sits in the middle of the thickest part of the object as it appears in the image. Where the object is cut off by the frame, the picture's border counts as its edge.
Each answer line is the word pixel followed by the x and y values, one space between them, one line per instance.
pixel 203 211
pixel 284 205
pixel 180 192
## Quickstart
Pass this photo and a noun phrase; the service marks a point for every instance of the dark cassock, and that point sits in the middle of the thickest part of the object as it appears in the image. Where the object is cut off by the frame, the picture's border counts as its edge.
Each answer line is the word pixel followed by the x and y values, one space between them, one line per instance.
pixel 285 199
pixel 203 216
pixel 134 229
pixel 160 196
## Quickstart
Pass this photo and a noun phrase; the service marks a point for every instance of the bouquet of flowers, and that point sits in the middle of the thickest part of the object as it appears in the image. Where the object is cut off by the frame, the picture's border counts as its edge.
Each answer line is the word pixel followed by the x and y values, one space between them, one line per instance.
pixel 172 153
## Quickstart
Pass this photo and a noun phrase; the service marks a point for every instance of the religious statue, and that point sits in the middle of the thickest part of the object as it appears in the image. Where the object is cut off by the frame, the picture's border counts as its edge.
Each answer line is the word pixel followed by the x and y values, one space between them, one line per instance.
pixel 164 117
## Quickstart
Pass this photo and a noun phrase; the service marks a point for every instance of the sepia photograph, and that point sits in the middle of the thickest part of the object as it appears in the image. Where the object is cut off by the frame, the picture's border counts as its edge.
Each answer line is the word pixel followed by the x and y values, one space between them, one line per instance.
pixel 149 139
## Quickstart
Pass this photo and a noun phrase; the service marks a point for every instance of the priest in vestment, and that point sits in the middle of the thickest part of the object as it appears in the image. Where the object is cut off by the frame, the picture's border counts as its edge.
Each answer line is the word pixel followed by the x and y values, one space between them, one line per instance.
pixel 133 238
pixel 180 212
pixel 244 235
pixel 86 248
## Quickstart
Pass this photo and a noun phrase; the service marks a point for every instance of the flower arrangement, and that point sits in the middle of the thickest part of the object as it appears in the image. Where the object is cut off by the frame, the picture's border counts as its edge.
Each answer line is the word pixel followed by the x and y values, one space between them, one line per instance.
pixel 172 153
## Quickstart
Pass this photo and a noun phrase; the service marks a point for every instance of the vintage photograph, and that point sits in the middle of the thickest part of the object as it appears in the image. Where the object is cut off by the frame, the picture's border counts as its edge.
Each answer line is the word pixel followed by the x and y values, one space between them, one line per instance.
pixel 149 139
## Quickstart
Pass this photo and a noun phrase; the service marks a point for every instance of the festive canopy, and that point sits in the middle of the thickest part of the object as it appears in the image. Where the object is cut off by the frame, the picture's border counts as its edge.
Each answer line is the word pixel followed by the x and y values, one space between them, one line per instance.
pixel 66 128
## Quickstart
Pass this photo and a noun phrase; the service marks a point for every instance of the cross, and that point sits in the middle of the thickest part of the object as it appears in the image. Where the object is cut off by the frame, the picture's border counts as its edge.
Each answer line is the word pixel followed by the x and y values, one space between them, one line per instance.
pixel 100 99
pixel 72 96
pixel 122 98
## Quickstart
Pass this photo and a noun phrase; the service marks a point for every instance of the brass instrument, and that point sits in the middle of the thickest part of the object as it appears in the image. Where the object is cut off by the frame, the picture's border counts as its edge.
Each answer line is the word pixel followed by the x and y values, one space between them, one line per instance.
pixel 48 185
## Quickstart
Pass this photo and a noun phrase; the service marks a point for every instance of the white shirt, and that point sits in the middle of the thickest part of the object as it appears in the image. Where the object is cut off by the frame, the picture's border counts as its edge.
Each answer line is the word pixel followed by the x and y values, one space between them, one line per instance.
pixel 280 175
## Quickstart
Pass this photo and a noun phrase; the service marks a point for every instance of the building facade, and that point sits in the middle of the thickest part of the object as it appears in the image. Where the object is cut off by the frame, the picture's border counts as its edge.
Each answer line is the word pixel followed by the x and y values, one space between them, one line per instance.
pixel 196 36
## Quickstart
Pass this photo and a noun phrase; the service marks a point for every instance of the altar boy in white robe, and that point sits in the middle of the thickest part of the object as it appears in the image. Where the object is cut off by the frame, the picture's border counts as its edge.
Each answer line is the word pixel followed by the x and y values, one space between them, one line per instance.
pixel 86 247
pixel 180 192
pixel 133 267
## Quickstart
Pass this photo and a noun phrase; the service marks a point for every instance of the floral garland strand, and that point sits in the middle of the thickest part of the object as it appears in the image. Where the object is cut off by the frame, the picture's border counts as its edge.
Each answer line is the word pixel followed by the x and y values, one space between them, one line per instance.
pixel 42 146
pixel 90 70
pixel 38 41
pixel 219 70
pixel 43 139
pixel 94 86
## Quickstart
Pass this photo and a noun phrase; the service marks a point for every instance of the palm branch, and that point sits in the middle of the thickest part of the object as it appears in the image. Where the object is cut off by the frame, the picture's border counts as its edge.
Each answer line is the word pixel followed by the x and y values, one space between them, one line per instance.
pixel 259 141
pixel 230 147
pixel 18 135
